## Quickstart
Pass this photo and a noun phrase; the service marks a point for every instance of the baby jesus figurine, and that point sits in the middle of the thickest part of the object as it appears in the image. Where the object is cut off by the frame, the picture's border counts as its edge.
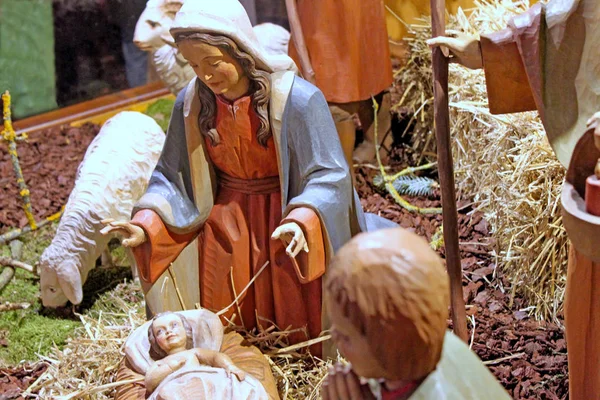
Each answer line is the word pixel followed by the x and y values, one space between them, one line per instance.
pixel 170 336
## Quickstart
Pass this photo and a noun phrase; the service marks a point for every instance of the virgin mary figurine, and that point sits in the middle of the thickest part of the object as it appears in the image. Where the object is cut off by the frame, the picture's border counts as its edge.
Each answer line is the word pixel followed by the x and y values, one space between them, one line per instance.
pixel 252 175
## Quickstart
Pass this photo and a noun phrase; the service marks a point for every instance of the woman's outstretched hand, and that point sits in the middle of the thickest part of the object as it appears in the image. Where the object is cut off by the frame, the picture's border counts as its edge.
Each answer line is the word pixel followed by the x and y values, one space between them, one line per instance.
pixel 594 123
pixel 133 235
pixel 292 236
pixel 465 49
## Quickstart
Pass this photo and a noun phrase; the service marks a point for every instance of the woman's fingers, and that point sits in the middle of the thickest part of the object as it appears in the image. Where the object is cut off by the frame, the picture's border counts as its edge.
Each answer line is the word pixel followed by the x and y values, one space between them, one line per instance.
pixel 453 33
pixel 292 237
pixel 452 43
pixel 129 243
pixel 108 229
pixel 277 233
pixel 593 121
pixel 291 249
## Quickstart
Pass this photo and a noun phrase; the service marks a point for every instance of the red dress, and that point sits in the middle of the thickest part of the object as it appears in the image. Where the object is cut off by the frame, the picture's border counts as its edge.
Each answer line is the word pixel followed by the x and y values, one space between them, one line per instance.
pixel 235 241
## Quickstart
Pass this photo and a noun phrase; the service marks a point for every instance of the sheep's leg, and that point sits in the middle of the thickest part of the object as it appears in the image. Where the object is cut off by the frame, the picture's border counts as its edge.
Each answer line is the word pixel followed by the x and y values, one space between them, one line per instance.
pixel 106 258
pixel 133 264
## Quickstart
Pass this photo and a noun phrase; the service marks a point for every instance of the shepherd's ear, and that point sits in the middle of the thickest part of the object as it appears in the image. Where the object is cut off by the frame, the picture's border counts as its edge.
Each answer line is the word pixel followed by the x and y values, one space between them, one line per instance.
pixel 70 282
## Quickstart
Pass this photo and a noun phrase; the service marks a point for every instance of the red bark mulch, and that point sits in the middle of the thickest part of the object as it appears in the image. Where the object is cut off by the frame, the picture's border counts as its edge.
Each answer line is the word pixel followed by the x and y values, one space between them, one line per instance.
pixel 528 357
pixel 49 160
pixel 13 381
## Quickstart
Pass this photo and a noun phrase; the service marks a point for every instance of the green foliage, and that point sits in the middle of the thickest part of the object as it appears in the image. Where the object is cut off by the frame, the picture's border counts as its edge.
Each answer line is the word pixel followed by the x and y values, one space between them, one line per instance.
pixel 161 111
pixel 409 185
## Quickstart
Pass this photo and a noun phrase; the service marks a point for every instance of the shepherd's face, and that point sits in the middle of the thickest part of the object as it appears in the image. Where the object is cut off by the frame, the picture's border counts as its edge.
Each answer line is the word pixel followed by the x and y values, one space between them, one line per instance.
pixel 353 345
pixel 215 68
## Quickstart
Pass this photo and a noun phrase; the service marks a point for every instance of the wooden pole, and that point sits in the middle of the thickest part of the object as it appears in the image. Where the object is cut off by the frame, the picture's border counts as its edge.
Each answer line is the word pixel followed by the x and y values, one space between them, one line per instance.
pixel 446 172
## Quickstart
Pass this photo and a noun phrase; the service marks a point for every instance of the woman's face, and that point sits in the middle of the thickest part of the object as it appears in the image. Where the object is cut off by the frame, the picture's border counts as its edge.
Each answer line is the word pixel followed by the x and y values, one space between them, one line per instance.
pixel 215 68
pixel 169 333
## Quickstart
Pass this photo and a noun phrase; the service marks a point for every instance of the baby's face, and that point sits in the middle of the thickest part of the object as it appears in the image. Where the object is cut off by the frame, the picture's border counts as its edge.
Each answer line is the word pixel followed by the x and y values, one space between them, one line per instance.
pixel 169 333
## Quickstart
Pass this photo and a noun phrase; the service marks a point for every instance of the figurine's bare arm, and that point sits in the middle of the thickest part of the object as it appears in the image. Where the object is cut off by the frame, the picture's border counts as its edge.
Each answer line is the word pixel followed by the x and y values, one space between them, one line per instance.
pixel 465 49
pixel 218 360
pixel 299 43
pixel 160 370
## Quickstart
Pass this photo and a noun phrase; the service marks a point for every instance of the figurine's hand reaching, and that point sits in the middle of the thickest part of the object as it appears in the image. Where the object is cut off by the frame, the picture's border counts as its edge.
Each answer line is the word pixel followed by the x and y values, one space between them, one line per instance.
pixel 232 369
pixel 594 123
pixel 133 234
pixel 292 236
pixel 342 383
pixel 465 49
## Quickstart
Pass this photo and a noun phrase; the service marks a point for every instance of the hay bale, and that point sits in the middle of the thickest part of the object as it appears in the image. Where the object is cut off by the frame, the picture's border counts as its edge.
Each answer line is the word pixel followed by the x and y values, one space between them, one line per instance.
pixel 504 162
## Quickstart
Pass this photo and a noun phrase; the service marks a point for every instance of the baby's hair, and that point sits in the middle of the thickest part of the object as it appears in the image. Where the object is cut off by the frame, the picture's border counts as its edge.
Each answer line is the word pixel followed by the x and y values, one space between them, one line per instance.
pixel 156 353
pixel 393 289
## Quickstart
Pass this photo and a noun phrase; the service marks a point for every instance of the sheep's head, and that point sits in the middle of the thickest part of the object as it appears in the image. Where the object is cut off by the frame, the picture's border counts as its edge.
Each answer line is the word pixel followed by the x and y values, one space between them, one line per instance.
pixel 60 281
pixel 152 28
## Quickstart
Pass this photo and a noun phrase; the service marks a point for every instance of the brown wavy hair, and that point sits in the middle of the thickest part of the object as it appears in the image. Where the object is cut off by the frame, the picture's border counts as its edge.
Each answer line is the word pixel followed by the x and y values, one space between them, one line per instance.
pixel 392 287
pixel 260 87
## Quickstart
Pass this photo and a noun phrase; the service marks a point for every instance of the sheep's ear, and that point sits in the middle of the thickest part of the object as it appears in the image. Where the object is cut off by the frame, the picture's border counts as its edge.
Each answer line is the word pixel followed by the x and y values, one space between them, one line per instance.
pixel 70 282
pixel 167 38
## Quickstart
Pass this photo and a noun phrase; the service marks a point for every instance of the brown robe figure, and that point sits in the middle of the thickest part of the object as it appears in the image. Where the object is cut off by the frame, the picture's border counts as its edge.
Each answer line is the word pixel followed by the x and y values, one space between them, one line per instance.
pixel 547 59
pixel 387 294
pixel 342 47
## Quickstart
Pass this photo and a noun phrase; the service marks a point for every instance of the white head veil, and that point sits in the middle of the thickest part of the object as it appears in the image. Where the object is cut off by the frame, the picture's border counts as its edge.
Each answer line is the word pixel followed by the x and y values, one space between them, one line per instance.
pixel 228 18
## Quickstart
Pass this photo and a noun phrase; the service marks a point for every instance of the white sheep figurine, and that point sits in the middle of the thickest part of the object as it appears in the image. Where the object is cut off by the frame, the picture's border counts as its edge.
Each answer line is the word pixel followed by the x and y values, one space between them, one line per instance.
pixel 111 178
pixel 152 35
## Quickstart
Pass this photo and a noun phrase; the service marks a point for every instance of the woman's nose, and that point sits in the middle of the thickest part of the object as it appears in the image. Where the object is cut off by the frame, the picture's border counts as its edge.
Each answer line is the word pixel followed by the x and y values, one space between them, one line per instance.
pixel 207 77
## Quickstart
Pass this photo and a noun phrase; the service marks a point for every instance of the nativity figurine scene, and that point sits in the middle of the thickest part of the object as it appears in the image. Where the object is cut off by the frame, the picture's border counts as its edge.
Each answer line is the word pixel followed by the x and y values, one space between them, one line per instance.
pixel 287 235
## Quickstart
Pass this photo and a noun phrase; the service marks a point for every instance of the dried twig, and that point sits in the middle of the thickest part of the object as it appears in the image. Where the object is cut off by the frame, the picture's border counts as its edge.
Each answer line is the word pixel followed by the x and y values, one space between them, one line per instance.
pixel 16 249
pixel 499 360
pixel 6 276
pixel 14 306
pixel 6 261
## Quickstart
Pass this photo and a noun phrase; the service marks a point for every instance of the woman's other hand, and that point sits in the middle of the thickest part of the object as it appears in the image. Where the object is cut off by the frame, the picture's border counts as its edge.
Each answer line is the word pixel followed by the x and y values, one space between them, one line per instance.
pixel 292 236
pixel 594 123
pixel 132 235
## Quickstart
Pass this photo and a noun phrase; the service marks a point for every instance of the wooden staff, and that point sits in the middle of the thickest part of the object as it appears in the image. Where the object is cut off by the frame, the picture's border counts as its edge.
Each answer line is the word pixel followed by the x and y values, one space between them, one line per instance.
pixel 446 172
